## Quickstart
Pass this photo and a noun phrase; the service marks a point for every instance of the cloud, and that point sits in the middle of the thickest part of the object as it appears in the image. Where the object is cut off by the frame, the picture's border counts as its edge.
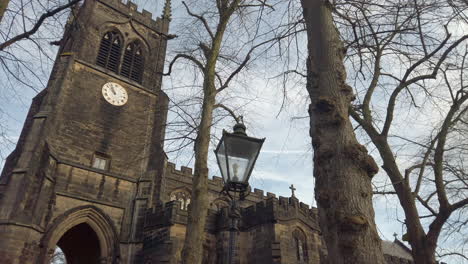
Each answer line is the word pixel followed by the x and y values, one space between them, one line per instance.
pixel 286 152
pixel 269 175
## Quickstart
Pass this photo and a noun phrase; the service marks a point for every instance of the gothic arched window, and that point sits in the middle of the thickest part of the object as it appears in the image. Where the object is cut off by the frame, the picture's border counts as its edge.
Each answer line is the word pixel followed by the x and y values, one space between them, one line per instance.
pixel 109 51
pixel 300 246
pixel 132 65
pixel 183 197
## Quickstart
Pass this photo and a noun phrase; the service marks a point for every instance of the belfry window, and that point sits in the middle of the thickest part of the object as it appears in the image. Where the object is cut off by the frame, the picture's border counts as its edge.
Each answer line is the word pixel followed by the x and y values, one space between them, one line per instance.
pixel 110 51
pixel 132 65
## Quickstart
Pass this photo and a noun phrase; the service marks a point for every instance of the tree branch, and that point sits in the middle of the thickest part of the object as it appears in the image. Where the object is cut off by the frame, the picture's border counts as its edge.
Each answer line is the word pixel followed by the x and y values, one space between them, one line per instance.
pixel 229 110
pixel 201 18
pixel 184 56
pixel 38 24
pixel 405 83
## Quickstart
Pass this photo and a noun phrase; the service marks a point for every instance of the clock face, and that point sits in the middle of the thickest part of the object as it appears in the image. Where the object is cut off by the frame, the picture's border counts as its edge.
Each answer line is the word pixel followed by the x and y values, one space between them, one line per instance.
pixel 114 93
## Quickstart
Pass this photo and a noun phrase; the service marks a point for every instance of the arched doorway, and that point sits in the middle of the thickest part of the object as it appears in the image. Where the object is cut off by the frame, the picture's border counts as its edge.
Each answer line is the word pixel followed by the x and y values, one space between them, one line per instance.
pixel 80 244
pixel 85 235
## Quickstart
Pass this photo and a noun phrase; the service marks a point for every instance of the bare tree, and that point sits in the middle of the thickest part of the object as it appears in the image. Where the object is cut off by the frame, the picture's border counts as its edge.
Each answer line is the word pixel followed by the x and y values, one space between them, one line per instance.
pixel 411 57
pixel 219 64
pixel 407 66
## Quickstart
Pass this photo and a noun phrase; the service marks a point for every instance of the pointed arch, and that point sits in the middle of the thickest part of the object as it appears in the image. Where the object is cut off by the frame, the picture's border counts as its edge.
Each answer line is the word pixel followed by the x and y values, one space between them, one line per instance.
pixel 183 195
pixel 133 61
pixel 300 245
pixel 219 203
pixel 110 51
pixel 87 215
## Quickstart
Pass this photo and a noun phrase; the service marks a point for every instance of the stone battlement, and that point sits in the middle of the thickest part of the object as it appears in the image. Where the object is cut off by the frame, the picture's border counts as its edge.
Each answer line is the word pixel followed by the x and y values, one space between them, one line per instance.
pixel 185 171
pixel 268 211
pixel 168 214
pixel 165 215
pixel 217 183
pixel 276 210
pixel 144 17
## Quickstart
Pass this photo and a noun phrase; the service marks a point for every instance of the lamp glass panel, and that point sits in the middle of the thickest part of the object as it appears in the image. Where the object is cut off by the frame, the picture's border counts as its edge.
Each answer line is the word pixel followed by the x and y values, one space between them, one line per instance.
pixel 221 156
pixel 241 156
pixel 238 168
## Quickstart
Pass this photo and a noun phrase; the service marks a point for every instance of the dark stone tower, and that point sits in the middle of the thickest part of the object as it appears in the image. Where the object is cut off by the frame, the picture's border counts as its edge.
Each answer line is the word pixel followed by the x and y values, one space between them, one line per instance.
pixel 90 157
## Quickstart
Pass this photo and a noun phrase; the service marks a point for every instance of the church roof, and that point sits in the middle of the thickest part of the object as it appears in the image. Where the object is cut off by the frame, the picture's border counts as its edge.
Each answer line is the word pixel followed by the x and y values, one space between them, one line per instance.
pixel 397 249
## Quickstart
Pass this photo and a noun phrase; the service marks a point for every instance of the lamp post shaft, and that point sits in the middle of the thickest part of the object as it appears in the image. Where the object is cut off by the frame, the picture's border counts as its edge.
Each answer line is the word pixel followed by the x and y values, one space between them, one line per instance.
pixel 234 216
pixel 232 250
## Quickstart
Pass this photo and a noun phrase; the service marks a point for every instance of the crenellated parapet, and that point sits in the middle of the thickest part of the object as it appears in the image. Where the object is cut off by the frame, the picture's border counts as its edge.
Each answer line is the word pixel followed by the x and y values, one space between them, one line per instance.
pixel 285 207
pixel 274 210
pixel 183 171
pixel 144 17
pixel 290 208
pixel 170 213
pixel 165 215
pixel 258 208
pixel 185 175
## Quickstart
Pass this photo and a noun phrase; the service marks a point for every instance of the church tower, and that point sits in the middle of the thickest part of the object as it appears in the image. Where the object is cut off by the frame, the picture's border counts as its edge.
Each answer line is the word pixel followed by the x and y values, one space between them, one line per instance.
pixel 90 157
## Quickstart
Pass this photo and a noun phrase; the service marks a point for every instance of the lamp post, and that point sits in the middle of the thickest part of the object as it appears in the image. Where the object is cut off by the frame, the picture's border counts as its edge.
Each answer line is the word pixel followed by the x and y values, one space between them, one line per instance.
pixel 236 154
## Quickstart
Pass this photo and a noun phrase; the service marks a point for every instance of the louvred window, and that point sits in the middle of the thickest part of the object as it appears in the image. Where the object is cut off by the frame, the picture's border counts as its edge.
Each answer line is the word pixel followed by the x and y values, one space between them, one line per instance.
pixel 132 65
pixel 110 51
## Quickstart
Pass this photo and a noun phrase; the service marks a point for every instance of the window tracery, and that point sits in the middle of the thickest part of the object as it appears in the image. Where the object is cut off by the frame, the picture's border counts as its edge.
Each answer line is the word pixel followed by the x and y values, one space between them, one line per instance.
pixel 183 197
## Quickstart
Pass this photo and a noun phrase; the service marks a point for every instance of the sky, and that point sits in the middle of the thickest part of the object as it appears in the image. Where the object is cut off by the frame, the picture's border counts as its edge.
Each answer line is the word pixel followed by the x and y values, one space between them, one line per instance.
pixel 286 156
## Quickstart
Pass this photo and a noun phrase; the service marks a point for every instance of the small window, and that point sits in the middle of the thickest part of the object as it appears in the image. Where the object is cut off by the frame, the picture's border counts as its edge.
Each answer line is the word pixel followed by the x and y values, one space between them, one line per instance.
pixel 100 162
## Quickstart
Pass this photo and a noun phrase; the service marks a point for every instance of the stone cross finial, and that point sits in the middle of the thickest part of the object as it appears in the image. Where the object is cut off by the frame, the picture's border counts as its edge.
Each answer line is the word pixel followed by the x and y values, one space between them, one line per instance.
pixel 292 190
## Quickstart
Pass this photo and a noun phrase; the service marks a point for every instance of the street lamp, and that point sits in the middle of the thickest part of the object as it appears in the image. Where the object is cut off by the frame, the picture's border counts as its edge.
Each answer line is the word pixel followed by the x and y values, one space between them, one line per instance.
pixel 236 154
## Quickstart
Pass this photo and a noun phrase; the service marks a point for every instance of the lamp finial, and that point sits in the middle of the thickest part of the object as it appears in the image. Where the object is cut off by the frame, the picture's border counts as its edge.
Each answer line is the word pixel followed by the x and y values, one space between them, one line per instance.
pixel 239 129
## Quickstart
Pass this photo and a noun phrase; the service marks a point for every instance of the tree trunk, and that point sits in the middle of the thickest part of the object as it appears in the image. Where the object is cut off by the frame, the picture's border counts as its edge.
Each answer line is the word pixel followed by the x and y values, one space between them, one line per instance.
pixel 425 253
pixel 192 252
pixel 3 6
pixel 342 167
pixel 195 234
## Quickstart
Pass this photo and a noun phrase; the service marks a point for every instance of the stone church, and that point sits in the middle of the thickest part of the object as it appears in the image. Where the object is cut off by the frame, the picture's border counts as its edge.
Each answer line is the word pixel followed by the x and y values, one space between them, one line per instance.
pixel 89 173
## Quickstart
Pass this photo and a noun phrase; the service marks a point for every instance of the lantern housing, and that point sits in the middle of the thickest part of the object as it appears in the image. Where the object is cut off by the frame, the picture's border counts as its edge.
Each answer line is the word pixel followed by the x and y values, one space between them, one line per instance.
pixel 236 154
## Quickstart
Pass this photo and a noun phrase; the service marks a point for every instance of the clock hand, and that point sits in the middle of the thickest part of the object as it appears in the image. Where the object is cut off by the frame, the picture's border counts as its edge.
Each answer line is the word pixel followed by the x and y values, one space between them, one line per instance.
pixel 113 91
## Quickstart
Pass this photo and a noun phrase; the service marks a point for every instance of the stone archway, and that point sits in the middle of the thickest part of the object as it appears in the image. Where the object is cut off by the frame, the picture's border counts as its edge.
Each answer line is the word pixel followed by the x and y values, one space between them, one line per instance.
pixel 84 230
pixel 80 244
